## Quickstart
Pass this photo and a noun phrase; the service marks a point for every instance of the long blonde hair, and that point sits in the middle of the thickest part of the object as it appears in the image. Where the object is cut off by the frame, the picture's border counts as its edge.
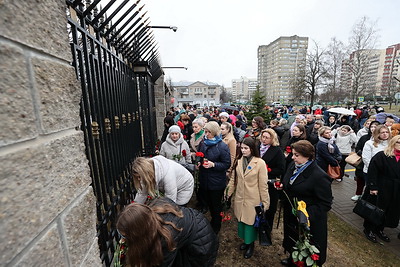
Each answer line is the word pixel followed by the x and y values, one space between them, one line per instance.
pixel 389 150
pixel 143 168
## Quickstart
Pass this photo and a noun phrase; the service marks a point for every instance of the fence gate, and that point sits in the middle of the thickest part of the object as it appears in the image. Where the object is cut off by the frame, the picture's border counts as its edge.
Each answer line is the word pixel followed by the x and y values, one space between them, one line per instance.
pixel 116 65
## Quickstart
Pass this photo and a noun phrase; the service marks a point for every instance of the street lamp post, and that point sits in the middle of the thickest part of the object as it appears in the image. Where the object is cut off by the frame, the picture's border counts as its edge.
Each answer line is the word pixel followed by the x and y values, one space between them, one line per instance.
pixel 175 68
pixel 174 28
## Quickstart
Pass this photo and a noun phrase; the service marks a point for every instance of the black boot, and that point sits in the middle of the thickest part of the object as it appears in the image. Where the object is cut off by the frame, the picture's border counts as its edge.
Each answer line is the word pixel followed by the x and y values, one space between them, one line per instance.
pixel 244 246
pixel 286 261
pixel 249 252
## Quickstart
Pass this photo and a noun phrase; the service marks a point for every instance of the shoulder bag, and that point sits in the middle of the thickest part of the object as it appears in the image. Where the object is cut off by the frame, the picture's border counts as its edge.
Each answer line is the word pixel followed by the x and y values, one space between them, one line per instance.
pixel 369 212
pixel 353 159
pixel 333 171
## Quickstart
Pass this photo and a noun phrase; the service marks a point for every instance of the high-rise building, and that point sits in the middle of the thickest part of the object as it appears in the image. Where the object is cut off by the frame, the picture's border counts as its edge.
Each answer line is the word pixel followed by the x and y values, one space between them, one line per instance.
pixel 375 69
pixel 243 89
pixel 391 70
pixel 279 63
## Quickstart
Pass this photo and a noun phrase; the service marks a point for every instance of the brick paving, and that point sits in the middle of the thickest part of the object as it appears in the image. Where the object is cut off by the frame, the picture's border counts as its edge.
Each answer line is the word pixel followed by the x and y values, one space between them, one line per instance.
pixel 343 207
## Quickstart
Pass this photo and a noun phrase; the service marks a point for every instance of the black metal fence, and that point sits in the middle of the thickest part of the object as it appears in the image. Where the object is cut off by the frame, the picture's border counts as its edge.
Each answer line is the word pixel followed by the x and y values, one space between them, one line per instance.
pixel 117 67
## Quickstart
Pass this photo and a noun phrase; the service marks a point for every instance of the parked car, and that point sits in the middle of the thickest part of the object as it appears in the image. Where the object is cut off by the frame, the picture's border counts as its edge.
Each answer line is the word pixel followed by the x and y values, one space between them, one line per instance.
pixel 277 104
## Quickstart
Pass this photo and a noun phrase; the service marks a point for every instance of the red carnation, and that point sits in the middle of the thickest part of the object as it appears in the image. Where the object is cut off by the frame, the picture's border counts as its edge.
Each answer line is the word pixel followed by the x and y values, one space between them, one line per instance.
pixel 299 263
pixel 288 149
pixel 200 154
pixel 246 135
pixel 315 257
pixel 268 169
pixel 184 153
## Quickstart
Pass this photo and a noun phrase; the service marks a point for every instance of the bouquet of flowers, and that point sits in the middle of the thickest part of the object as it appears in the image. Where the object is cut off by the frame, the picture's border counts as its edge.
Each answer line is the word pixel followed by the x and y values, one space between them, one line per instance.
pixel 120 253
pixel 177 157
pixel 226 205
pixel 304 253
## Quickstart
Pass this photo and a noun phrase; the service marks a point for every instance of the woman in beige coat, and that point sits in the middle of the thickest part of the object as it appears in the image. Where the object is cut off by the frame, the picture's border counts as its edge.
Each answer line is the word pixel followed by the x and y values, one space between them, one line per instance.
pixel 249 182
pixel 229 139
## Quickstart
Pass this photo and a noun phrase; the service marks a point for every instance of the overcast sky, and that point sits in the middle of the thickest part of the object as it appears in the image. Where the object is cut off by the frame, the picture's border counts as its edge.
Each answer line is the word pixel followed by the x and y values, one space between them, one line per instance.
pixel 218 39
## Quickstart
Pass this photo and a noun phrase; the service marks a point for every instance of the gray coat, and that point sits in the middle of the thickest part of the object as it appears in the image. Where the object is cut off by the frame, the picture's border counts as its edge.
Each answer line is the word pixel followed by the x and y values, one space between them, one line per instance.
pixel 170 148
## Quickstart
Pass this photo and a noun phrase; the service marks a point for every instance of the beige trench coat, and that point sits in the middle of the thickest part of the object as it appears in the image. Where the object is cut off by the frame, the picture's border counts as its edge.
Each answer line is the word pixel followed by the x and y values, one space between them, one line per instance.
pixel 251 189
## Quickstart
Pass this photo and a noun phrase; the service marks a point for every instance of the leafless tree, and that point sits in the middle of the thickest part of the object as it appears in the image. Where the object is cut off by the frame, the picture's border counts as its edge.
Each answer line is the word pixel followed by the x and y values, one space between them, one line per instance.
pixel 364 37
pixel 334 57
pixel 309 79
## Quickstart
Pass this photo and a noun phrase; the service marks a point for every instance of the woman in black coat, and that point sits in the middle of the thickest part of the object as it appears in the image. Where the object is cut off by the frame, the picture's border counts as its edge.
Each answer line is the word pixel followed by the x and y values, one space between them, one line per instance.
pixel 212 173
pixel 327 151
pixel 359 175
pixel 272 154
pixel 306 181
pixel 168 122
pixel 165 234
pixel 384 181
pixel 298 133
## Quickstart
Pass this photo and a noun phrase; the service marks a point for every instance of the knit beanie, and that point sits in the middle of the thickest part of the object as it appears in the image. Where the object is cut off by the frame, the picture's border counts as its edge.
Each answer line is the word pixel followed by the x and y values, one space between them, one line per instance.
pixel 174 129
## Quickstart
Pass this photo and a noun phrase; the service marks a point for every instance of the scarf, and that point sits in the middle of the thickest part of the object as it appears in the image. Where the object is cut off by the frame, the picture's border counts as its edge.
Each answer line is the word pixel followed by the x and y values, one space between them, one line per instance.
pixel 263 149
pixel 213 141
pixel 397 154
pixel 299 168
pixel 246 161
pixel 198 135
pixel 330 143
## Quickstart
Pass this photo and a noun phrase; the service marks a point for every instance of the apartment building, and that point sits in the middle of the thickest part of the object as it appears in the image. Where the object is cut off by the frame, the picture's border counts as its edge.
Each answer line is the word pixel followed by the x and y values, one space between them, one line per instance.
pixel 278 64
pixel 391 70
pixel 196 93
pixel 243 89
pixel 376 67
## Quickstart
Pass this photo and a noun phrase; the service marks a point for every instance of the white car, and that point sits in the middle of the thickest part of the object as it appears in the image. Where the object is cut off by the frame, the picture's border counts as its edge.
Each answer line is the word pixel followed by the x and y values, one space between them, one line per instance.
pixel 277 104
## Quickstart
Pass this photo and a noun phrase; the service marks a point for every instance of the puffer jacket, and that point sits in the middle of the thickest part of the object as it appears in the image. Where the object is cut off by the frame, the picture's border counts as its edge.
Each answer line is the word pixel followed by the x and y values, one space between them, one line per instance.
pixel 370 150
pixel 214 178
pixel 170 148
pixel 172 179
pixel 345 142
pixel 196 244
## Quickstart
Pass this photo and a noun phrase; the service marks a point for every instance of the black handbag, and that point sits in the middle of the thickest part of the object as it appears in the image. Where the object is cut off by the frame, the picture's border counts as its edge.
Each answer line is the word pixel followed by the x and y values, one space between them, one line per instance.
pixel 369 212
pixel 261 224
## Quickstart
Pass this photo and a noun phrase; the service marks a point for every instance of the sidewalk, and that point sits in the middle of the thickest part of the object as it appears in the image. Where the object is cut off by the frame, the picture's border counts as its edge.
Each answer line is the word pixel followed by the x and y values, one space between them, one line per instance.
pixel 343 207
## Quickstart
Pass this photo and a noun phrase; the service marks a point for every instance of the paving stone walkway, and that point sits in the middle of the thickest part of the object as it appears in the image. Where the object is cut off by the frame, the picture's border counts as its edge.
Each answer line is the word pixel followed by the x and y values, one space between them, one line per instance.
pixel 343 207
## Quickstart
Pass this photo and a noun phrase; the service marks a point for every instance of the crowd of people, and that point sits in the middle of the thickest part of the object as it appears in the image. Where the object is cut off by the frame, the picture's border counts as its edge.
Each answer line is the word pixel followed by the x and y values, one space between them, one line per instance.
pixel 220 156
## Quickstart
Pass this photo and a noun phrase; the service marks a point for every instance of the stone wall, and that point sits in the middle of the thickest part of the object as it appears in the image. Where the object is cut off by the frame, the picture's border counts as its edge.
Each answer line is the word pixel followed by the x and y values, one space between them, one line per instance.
pixel 47 206
pixel 162 101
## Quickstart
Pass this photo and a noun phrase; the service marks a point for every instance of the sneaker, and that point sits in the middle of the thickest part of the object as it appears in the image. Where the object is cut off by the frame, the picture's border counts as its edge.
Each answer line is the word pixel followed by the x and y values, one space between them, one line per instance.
pixel 356 197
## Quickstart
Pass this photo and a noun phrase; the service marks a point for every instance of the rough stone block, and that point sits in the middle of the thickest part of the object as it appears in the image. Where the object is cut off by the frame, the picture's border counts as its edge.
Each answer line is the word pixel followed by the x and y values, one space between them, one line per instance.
pixel 41 24
pixel 46 252
pixel 93 256
pixel 17 116
pixel 59 93
pixel 36 184
pixel 80 227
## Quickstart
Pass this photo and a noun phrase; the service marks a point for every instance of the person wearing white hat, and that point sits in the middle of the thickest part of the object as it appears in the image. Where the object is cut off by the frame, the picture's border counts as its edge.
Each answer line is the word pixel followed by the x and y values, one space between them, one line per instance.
pixel 176 148
pixel 223 117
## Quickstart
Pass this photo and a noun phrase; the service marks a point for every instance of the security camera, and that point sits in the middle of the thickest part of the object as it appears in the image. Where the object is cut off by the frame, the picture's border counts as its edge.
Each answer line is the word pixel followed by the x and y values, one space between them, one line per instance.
pixel 174 28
